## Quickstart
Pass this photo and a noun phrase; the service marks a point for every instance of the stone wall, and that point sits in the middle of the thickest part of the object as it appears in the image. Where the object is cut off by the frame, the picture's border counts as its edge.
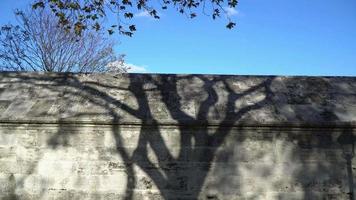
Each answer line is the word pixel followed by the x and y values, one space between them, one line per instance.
pixel 135 136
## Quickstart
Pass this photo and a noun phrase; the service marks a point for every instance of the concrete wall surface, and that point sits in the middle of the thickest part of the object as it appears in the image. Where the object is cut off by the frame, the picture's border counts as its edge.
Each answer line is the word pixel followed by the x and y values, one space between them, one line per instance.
pixel 144 136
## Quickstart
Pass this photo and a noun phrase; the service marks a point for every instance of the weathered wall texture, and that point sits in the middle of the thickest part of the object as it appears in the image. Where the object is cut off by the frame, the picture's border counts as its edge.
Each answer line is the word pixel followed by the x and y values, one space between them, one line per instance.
pixel 70 136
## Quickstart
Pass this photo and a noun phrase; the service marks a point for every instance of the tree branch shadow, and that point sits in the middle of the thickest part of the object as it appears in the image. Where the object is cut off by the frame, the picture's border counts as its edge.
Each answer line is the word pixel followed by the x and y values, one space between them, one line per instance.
pixel 179 176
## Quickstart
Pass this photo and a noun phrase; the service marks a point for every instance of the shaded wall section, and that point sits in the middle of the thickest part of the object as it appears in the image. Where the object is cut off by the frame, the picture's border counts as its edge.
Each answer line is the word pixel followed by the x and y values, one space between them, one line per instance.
pixel 144 136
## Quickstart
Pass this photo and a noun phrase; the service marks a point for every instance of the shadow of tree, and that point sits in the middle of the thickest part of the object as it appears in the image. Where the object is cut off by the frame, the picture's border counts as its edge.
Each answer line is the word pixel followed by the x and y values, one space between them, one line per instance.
pixel 213 108
pixel 12 187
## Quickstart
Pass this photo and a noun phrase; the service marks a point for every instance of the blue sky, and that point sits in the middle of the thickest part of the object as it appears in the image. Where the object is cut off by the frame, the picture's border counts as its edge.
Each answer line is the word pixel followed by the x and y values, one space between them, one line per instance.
pixel 279 37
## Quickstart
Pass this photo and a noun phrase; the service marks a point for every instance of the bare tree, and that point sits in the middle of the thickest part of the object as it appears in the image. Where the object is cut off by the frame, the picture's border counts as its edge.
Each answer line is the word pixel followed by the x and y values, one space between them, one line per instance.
pixel 38 43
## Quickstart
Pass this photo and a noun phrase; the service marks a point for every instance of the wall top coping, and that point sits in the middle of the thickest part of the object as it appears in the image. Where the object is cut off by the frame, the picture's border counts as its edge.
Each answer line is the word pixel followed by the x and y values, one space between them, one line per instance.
pixel 31 97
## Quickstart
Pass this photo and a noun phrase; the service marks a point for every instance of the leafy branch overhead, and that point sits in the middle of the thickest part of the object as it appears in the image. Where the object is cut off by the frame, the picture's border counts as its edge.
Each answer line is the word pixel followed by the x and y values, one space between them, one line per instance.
pixel 79 15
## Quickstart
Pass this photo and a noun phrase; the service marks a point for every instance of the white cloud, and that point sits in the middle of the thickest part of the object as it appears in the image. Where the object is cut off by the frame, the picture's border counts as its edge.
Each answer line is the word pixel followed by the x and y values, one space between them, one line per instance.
pixel 135 68
pixel 117 66
pixel 120 66
pixel 231 11
pixel 144 13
